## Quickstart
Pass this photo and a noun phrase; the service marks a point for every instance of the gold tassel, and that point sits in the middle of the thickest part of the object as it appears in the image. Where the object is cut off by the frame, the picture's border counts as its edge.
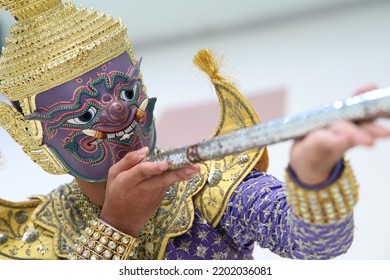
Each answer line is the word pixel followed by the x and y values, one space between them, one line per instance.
pixel 205 60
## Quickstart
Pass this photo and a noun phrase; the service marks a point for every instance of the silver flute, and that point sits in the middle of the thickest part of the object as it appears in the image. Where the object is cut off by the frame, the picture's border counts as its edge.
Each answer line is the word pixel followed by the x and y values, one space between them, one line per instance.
pixel 363 107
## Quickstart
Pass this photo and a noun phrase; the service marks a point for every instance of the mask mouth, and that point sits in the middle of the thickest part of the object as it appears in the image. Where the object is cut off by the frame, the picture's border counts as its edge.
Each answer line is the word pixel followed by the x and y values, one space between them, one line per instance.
pixel 123 134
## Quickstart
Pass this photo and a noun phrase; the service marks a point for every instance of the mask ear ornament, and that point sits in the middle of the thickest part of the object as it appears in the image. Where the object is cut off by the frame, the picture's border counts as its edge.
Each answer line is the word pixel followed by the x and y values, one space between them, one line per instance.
pixel 21 131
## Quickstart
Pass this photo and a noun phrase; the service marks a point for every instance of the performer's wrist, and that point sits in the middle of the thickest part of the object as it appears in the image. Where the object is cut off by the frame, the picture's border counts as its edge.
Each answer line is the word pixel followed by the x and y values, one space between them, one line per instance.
pixel 334 175
pixel 132 229
pixel 327 203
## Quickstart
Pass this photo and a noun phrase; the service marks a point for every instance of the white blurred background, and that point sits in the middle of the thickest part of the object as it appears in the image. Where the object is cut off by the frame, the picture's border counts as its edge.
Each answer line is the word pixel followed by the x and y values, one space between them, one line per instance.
pixel 316 51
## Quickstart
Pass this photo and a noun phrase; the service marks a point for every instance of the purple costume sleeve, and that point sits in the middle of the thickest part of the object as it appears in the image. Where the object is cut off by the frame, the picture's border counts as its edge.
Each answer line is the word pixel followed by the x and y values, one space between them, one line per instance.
pixel 258 211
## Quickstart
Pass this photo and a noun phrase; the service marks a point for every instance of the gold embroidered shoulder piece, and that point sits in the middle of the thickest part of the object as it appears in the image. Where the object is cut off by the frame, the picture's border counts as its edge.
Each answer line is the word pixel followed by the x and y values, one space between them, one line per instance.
pixel 224 175
pixel 212 188
pixel 46 227
pixel 63 213
pixel 20 237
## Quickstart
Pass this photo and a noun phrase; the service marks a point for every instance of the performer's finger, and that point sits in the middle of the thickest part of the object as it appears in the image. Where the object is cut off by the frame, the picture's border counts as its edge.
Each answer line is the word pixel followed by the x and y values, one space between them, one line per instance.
pixel 168 178
pixel 145 170
pixel 338 138
pixel 364 89
pixel 128 161
pixel 375 129
pixel 350 134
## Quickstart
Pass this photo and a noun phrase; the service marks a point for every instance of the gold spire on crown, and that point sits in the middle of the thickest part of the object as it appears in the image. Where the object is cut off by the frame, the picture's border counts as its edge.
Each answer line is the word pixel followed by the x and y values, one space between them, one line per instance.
pixel 24 9
pixel 50 44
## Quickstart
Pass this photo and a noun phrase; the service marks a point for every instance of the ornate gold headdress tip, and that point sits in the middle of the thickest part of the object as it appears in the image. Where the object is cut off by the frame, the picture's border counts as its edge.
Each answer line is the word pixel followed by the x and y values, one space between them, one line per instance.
pixel 53 43
pixel 24 9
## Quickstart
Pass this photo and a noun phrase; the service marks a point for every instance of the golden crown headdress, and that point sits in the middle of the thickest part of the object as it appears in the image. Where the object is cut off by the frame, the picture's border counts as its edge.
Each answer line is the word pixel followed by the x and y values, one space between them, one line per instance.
pixel 51 43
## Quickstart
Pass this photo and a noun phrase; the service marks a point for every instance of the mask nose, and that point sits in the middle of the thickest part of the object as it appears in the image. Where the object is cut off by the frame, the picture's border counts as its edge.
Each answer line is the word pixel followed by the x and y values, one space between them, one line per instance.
pixel 115 112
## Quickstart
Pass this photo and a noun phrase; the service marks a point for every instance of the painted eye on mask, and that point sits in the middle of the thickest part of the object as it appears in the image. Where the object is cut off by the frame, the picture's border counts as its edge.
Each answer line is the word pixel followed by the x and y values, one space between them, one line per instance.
pixel 84 118
pixel 129 94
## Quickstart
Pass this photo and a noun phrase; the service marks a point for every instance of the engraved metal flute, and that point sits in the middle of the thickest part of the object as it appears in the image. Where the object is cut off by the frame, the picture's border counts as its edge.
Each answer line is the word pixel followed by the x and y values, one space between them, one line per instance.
pixel 367 106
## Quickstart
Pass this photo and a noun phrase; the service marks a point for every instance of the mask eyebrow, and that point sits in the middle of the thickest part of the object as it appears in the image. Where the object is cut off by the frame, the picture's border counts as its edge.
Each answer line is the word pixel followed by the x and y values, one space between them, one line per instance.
pixel 38 117
pixel 50 114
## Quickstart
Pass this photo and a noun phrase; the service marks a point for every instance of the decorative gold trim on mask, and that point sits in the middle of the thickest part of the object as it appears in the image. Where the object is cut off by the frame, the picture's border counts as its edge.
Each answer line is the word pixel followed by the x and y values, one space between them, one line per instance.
pixel 53 43
pixel 28 134
pixel 34 127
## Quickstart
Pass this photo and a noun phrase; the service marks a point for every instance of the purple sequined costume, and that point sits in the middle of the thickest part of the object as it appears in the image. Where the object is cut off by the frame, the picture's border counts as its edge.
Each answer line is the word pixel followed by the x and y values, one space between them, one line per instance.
pixel 258 213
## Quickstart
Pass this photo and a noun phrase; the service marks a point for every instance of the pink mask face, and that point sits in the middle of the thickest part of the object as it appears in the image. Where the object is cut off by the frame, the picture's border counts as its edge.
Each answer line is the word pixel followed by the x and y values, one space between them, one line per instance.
pixel 93 121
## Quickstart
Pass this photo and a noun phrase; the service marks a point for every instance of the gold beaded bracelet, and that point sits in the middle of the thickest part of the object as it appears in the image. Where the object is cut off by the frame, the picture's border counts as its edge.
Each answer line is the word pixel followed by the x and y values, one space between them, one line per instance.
pixel 324 206
pixel 103 242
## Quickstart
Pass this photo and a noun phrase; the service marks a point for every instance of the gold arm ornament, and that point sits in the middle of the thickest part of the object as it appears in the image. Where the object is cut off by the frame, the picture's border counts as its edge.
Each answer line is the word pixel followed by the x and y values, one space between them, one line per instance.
pixel 324 206
pixel 101 241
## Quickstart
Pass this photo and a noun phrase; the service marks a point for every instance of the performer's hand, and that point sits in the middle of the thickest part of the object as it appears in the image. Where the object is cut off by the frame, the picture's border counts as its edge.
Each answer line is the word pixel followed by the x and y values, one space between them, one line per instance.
pixel 314 156
pixel 135 190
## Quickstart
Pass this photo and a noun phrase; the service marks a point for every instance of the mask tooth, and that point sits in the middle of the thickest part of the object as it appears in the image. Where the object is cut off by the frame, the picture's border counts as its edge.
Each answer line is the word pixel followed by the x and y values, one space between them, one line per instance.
pixel 90 132
pixel 126 136
pixel 144 104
